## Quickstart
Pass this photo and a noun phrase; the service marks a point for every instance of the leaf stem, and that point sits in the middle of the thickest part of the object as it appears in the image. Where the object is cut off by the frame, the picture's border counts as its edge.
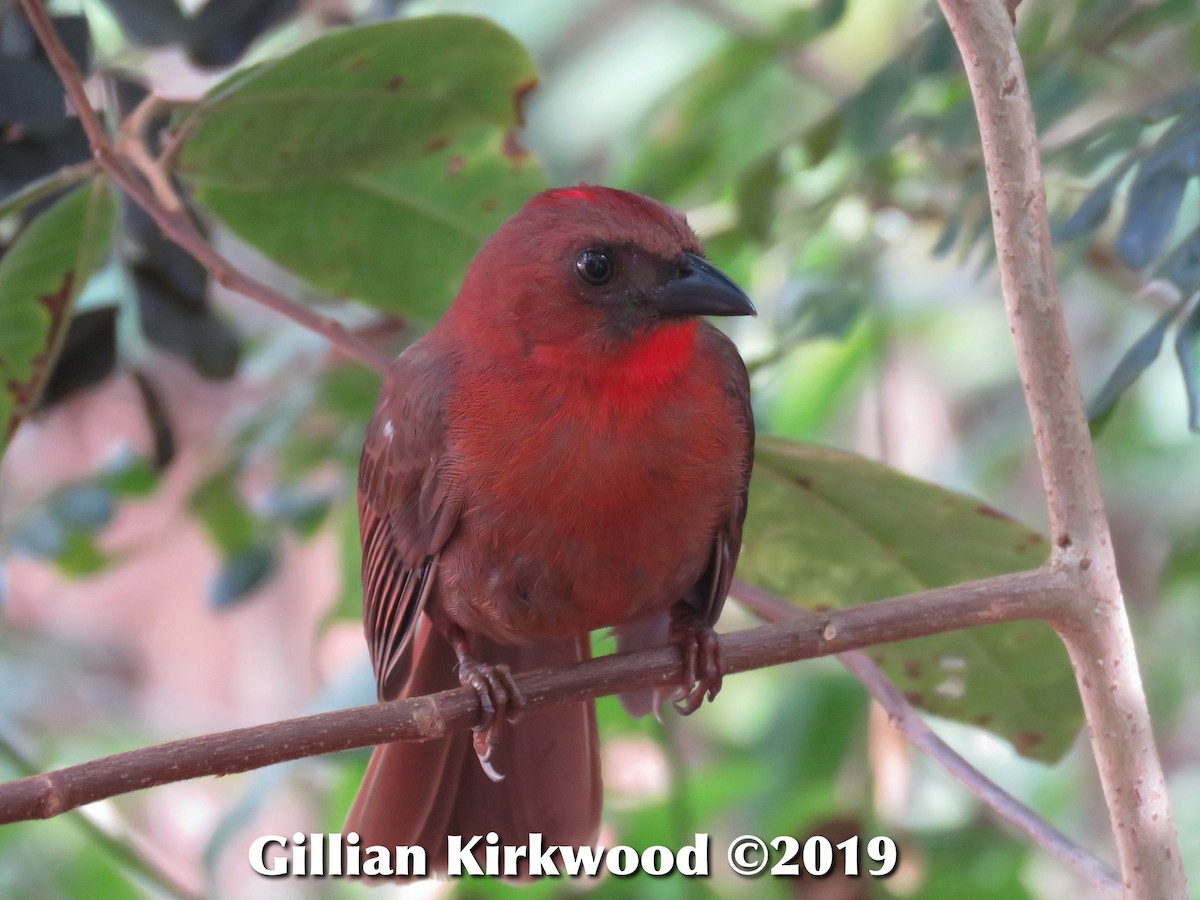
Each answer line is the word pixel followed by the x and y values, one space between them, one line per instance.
pixel 64 178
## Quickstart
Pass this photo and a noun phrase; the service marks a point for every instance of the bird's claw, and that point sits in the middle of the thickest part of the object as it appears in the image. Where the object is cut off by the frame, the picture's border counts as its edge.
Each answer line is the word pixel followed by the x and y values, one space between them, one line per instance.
pixel 702 669
pixel 702 674
pixel 500 700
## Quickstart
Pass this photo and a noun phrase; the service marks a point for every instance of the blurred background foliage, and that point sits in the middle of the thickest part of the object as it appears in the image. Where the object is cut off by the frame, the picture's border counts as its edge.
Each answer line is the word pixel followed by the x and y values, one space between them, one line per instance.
pixel 179 541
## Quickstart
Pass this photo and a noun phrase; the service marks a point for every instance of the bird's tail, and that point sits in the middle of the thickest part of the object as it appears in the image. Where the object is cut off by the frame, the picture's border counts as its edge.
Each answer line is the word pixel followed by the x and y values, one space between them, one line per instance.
pixel 417 794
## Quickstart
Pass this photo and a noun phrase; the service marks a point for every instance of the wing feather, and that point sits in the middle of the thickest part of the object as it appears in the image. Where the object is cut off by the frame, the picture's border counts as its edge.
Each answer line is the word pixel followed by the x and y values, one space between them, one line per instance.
pixel 406 511
pixel 710 591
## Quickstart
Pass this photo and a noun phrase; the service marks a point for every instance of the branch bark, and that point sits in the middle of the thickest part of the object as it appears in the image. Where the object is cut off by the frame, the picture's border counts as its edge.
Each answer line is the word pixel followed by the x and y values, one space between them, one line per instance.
pixel 1093 622
pixel 1025 595
pixel 176 224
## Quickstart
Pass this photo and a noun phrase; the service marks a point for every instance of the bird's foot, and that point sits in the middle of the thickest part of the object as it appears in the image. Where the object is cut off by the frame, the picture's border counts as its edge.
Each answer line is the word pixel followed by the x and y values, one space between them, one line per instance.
pixel 499 698
pixel 702 674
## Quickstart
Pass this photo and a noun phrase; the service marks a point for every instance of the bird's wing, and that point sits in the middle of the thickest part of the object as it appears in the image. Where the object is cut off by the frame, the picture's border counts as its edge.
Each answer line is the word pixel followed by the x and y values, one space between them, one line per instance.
pixel 710 591
pixel 406 510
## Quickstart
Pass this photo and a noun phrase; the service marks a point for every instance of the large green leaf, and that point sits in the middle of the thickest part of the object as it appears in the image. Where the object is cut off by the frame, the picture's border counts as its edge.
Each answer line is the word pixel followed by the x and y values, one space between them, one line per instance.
pixel 363 97
pixel 827 529
pixel 40 276
pixel 398 239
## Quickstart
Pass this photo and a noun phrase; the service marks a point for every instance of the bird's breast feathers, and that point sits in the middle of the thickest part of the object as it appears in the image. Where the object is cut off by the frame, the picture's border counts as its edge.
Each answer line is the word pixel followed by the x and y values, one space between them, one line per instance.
pixel 568 508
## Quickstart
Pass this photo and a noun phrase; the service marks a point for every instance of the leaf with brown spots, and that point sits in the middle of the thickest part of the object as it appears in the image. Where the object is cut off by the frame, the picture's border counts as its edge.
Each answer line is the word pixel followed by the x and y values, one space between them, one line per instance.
pixel 41 275
pixel 830 529
pixel 398 239
pixel 371 97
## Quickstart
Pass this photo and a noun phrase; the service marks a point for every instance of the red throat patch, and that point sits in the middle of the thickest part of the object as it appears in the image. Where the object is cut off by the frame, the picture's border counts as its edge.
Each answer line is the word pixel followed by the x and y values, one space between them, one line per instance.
pixel 660 355
pixel 633 378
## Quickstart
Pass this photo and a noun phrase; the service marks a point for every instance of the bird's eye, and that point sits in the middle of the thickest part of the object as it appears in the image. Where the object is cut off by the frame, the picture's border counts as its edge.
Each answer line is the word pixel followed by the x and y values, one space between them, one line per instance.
pixel 595 267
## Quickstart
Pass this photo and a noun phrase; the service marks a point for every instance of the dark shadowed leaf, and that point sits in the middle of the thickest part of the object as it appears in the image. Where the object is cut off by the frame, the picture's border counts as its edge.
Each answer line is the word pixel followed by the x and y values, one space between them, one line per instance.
pixel 1154 202
pixel 173 303
pixel 803 25
pixel 40 276
pixel 1135 361
pixel 1157 192
pixel 188 330
pixel 1093 210
pixel 157 417
pixel 868 117
pixel 218 34
pixel 827 529
pixel 150 22
pixel 820 139
pixel 30 92
pixel 89 354
pixel 87 506
pixel 1181 266
pixel 1187 342
pixel 949 236
pixel 302 511
pixel 247 545
pixel 224 29
pixel 372 96
pixel 241 574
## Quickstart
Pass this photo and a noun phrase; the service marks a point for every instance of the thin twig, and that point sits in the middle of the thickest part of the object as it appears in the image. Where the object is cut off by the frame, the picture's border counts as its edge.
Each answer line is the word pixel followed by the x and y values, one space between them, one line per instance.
pixel 177 226
pixel 64 178
pixel 1093 622
pixel 1025 595
pixel 132 146
pixel 906 720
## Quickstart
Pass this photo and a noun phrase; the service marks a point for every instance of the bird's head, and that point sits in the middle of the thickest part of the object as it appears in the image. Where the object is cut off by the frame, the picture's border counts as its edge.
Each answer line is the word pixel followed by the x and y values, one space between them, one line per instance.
pixel 592 273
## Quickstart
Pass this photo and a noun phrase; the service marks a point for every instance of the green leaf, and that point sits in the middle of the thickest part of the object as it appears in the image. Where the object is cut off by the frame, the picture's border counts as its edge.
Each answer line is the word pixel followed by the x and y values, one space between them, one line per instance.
pixel 219 506
pixel 42 273
pixel 827 529
pixel 398 239
pixel 368 97
pixel 80 555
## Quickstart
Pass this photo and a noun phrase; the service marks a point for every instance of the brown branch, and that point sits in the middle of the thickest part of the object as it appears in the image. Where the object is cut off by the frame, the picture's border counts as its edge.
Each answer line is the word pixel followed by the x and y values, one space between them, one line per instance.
pixel 1093 622
pixel 176 225
pixel 906 720
pixel 1025 595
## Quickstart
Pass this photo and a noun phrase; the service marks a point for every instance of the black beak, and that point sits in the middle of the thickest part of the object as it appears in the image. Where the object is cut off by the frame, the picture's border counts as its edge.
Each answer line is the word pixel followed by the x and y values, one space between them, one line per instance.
pixel 701 289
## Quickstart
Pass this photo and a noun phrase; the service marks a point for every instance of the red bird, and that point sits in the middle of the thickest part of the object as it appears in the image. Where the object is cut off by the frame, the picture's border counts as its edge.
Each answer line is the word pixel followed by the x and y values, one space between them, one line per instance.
pixel 568 449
